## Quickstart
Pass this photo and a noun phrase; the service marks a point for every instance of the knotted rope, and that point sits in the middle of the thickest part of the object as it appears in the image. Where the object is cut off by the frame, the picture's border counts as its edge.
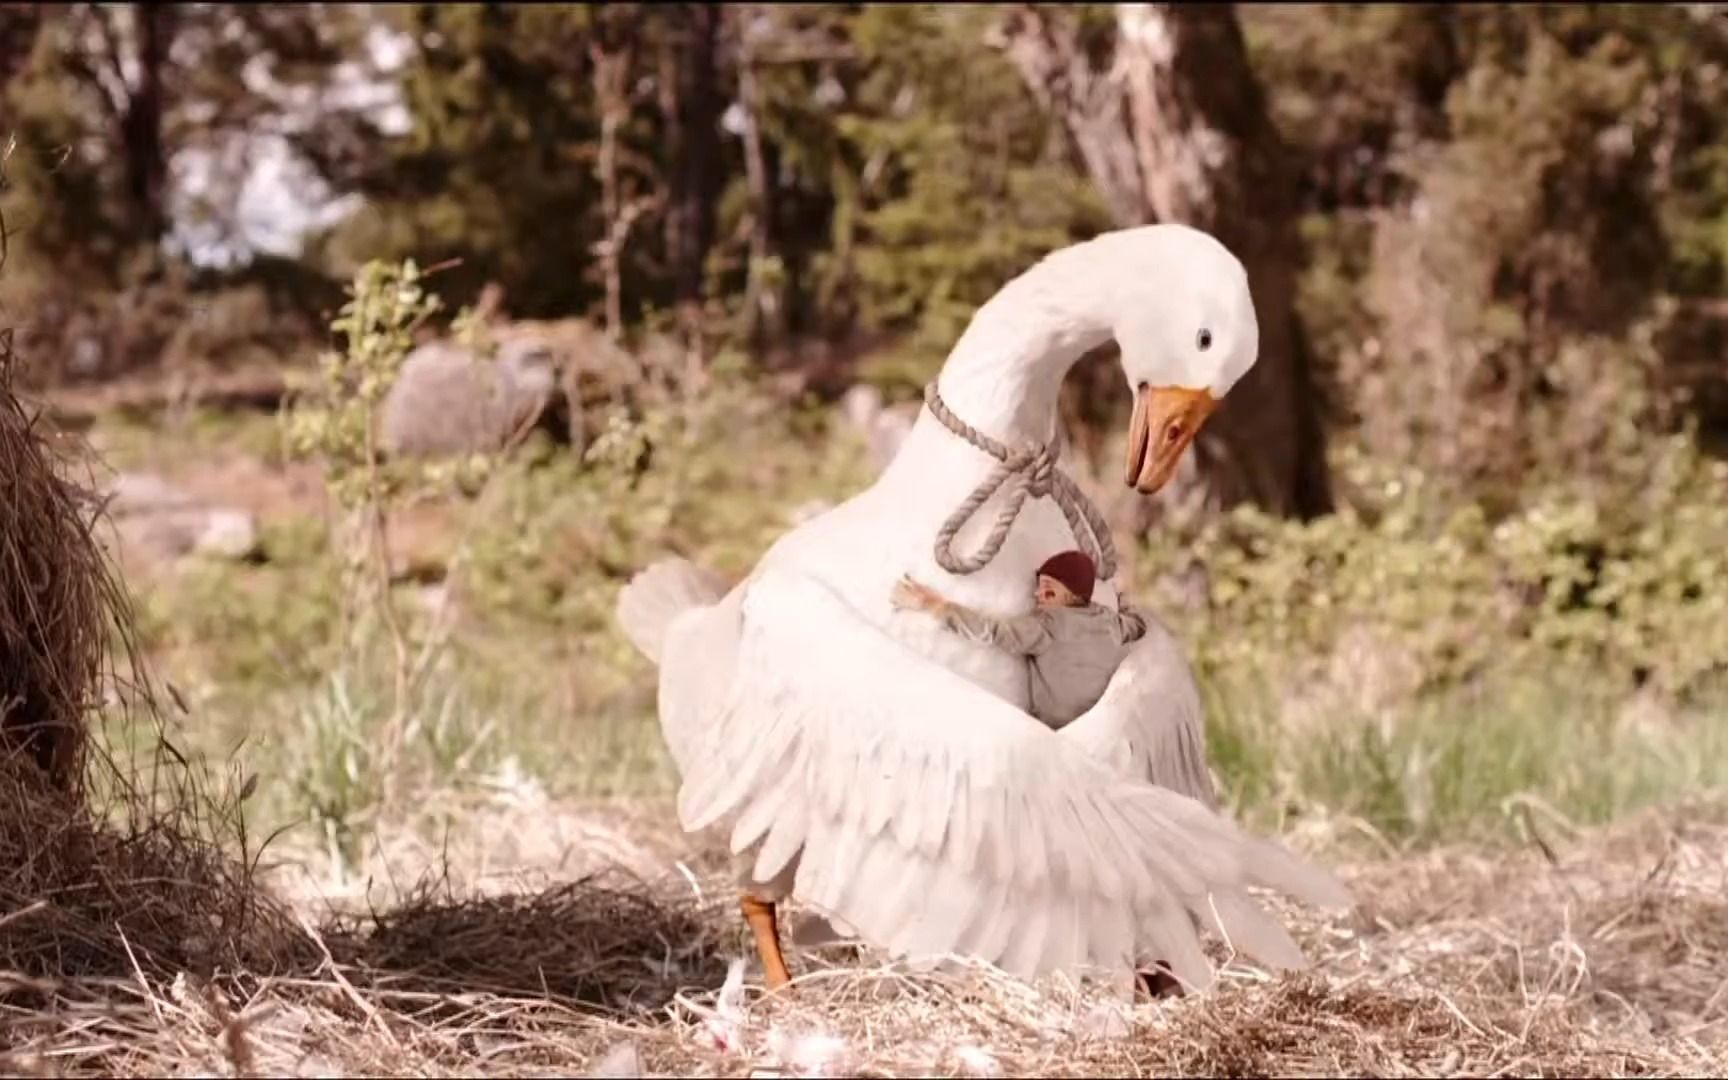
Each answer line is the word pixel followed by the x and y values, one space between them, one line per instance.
pixel 1035 467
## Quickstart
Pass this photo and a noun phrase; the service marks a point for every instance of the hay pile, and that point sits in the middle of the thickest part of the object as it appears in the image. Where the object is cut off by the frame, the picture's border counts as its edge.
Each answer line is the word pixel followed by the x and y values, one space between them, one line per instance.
pixel 130 901
pixel 1609 959
pixel 604 940
pixel 437 987
pixel 113 867
pixel 87 895
pixel 56 597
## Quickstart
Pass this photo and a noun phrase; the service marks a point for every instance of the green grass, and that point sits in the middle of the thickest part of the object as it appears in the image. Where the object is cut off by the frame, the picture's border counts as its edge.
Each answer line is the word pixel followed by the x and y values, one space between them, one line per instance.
pixel 166 439
pixel 1461 763
pixel 577 713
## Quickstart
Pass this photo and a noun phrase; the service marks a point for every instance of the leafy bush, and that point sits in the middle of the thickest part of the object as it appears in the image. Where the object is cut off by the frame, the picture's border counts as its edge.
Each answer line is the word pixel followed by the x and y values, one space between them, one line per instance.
pixel 715 477
pixel 1626 579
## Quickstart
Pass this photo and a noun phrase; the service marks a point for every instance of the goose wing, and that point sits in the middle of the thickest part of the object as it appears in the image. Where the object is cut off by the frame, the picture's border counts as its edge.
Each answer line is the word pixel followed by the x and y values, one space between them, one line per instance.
pixel 938 820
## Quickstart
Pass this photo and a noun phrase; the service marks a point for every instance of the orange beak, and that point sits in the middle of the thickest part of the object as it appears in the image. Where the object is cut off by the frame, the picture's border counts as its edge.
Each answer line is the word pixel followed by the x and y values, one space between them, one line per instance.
pixel 1166 419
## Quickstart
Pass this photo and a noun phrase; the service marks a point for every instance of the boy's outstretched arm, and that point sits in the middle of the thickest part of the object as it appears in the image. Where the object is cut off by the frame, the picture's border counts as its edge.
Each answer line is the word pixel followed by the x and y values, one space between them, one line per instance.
pixel 1023 635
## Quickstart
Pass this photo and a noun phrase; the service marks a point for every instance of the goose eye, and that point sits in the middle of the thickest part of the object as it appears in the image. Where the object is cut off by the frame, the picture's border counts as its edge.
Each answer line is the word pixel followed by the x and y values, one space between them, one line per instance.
pixel 1204 340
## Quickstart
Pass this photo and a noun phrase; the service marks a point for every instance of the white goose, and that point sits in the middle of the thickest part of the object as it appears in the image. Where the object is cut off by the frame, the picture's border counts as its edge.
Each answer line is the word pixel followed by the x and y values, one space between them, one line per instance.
pixel 885 773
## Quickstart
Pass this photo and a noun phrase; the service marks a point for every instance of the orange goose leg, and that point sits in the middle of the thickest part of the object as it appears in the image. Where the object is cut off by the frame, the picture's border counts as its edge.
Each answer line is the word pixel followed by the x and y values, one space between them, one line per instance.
pixel 760 915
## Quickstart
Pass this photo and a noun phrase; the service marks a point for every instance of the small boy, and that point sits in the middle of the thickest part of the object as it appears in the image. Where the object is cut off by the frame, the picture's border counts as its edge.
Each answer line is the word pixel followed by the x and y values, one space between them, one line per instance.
pixel 1072 645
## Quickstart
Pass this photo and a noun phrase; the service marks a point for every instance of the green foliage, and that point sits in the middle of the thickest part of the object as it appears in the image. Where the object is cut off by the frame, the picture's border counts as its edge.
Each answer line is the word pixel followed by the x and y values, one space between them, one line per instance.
pixel 76 110
pixel 945 130
pixel 866 187
pixel 497 170
pixel 1628 583
pixel 346 757
pixel 65 206
pixel 273 629
pixel 1484 189
pixel 715 476
pixel 339 419
pixel 338 425
pixel 532 666
pixel 1434 668
pixel 1430 673
pixel 1501 202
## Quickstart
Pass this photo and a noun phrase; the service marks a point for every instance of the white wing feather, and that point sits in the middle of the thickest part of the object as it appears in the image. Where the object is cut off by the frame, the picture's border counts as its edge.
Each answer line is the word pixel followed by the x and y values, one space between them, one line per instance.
pixel 936 819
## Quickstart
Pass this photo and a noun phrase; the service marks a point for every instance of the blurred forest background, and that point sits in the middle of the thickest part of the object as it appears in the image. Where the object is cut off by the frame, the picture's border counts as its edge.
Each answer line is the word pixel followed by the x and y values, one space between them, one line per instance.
pixel 1460 542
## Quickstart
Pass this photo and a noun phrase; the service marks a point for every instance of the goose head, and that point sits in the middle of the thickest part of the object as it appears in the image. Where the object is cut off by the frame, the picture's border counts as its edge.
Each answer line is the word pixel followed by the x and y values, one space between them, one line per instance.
pixel 1186 330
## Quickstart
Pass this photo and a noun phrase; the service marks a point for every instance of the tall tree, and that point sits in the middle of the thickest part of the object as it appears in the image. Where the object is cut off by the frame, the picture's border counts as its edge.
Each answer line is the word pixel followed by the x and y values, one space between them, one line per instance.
pixel 126 71
pixel 612 55
pixel 691 100
pixel 500 167
pixel 108 102
pixel 141 120
pixel 1167 117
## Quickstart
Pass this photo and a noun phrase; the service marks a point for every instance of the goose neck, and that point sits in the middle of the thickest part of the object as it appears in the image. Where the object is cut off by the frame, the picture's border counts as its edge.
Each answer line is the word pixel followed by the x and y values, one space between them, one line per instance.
pixel 1005 374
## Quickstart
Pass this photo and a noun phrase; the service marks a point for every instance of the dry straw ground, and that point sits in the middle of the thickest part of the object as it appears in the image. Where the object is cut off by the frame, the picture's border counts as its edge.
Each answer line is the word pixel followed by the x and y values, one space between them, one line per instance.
pixel 1606 955
pixel 138 937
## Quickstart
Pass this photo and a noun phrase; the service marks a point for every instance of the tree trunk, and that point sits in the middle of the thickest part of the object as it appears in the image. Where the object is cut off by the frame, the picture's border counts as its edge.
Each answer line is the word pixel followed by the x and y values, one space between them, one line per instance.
pixel 1175 128
pixel 1045 47
pixel 141 124
pixel 761 307
pixel 691 98
pixel 611 74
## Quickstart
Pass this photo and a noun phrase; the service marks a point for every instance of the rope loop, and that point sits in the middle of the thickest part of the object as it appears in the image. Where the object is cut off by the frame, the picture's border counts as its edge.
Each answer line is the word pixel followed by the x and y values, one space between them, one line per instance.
pixel 1036 475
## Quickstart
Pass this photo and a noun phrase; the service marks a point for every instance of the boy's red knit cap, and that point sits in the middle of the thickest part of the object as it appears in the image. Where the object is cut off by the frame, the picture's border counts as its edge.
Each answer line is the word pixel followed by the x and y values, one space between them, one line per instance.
pixel 1074 569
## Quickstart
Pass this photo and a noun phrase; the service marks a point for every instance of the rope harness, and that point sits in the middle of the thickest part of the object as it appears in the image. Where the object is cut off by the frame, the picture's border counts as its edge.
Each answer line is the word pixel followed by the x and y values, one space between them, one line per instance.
pixel 1035 469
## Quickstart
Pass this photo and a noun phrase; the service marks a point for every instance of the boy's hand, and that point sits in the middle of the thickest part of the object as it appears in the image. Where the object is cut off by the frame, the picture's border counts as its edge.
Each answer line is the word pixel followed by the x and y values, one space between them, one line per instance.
pixel 910 594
